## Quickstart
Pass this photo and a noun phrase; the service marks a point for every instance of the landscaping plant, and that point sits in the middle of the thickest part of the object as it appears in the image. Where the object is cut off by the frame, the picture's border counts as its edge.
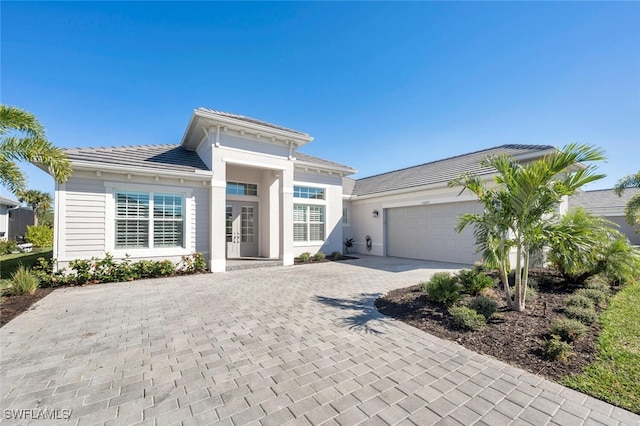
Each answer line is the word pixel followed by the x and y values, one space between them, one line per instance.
pixel 587 316
pixel 467 318
pixel 556 350
pixel 442 288
pixel 319 256
pixel 484 305
pixel 305 257
pixel 474 281
pixel 568 329
pixel 519 211
pixel 23 282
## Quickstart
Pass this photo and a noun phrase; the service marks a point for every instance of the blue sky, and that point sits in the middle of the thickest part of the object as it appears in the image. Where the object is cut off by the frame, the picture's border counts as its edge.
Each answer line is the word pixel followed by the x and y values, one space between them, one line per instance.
pixel 380 86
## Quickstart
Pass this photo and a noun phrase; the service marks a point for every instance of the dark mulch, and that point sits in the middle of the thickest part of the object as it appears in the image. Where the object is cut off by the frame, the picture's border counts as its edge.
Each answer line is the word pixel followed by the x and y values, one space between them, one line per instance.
pixel 12 306
pixel 516 339
pixel 297 260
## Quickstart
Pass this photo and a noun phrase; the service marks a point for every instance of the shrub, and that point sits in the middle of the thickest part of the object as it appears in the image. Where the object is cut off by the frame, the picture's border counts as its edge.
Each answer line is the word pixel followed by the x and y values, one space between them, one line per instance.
pixel 597 296
pixel 474 281
pixel 336 255
pixel 556 350
pixel 319 256
pixel 39 236
pixel 8 246
pixel 166 268
pixel 467 318
pixel 23 282
pixel 568 329
pixel 484 305
pixel 532 292
pixel 192 264
pixel 598 283
pixel 586 316
pixel 305 257
pixel 82 267
pixel 579 301
pixel 442 288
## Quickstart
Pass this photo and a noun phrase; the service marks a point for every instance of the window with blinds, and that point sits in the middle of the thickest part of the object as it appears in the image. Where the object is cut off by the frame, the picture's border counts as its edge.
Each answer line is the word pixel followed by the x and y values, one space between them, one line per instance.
pixel 308 223
pixel 308 192
pixel 136 227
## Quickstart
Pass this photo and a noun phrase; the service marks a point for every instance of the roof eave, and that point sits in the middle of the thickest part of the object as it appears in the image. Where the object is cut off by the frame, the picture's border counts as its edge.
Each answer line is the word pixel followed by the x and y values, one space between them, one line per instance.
pixel 196 174
pixel 342 171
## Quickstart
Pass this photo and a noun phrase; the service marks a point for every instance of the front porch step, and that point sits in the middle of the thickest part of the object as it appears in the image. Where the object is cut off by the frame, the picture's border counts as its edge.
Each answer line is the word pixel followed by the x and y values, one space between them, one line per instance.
pixel 253 263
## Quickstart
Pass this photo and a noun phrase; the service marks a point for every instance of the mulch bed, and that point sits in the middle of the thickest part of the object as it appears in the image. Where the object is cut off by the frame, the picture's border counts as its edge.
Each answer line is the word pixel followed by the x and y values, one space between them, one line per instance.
pixel 516 339
pixel 12 306
pixel 297 261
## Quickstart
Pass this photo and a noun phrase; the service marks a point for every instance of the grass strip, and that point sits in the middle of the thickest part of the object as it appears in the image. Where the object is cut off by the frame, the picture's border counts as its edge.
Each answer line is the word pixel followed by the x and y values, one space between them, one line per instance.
pixel 614 376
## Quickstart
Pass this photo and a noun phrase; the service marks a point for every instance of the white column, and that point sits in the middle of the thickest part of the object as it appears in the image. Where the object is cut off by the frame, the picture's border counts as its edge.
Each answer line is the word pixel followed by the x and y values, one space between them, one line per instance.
pixel 286 214
pixel 217 236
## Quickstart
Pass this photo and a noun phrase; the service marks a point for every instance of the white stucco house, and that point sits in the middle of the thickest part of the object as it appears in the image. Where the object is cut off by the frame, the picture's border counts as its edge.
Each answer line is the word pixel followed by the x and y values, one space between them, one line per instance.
pixel 237 187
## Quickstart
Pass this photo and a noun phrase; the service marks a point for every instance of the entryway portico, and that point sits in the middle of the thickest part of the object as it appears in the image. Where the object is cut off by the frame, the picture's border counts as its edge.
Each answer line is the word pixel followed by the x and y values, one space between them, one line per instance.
pixel 251 199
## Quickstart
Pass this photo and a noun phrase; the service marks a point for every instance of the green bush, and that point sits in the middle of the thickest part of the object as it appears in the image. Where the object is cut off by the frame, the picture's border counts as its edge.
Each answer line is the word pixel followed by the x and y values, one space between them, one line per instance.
pixel 467 318
pixel 597 296
pixel 442 288
pixel 556 350
pixel 598 283
pixel 83 269
pixel 586 316
pixel 568 329
pixel 474 281
pixel 8 246
pixel 39 236
pixel 192 264
pixel 336 255
pixel 23 282
pixel 484 305
pixel 305 257
pixel 319 256
pixel 580 301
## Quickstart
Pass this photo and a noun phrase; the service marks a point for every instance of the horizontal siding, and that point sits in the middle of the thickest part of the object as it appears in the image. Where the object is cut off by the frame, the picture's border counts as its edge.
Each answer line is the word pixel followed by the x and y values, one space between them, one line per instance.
pixel 84 218
pixel 200 217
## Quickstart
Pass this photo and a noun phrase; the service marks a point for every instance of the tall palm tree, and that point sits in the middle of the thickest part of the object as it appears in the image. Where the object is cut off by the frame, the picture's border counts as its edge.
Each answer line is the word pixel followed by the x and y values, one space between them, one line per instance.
pixel 22 138
pixel 39 201
pixel 517 211
pixel 632 209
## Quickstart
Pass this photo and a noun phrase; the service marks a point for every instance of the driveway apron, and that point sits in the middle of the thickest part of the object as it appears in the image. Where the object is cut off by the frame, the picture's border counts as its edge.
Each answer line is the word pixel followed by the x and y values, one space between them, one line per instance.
pixel 270 346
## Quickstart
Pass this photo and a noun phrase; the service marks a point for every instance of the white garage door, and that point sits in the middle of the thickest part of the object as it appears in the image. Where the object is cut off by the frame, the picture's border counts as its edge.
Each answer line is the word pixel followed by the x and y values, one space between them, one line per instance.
pixel 428 232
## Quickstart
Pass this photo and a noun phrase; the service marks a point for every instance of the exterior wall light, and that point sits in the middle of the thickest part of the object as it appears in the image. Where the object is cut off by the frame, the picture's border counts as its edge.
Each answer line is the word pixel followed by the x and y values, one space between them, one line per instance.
pixel 375 213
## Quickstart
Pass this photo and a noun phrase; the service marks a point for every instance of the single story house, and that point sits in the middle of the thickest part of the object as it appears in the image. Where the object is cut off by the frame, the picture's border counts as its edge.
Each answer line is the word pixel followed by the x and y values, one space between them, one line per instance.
pixel 606 203
pixel 5 205
pixel 237 187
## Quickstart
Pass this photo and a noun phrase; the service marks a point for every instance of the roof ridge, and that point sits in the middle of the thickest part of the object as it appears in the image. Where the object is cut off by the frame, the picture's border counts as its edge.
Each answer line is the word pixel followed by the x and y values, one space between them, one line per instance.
pixel 121 146
pixel 459 156
pixel 253 120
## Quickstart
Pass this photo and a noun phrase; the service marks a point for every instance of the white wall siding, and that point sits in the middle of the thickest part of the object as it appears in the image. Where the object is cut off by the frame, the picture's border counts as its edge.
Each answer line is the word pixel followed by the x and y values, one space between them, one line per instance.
pixel 200 216
pixel 84 219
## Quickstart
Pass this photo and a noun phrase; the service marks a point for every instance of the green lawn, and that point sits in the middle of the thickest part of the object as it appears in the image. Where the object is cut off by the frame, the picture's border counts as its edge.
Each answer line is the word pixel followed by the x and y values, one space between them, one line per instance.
pixel 10 262
pixel 613 377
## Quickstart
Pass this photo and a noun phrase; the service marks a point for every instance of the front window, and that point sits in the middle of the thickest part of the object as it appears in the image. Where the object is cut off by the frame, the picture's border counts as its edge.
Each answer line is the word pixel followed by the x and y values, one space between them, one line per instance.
pixel 237 188
pixel 308 192
pixel 308 223
pixel 136 227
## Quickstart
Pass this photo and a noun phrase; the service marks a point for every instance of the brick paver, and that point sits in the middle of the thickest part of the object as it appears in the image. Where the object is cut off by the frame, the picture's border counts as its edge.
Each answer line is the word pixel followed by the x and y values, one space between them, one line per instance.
pixel 298 345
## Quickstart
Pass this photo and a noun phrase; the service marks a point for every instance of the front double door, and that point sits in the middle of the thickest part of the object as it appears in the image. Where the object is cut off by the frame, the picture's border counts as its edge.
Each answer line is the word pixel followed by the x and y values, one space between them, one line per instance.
pixel 242 229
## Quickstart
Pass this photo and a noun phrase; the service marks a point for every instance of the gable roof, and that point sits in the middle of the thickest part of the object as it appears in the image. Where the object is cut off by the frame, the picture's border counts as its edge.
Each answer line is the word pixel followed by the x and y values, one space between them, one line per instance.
pixel 602 201
pixel 250 120
pixel 441 171
pixel 151 157
pixel 348 185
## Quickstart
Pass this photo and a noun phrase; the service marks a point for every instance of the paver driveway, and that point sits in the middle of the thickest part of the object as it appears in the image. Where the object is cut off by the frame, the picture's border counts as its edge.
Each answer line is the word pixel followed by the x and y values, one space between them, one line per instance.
pixel 265 346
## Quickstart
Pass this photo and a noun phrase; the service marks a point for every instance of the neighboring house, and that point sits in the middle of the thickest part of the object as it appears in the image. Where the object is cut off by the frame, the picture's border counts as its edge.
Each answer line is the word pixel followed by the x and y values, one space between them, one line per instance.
pixel 606 203
pixel 236 187
pixel 5 205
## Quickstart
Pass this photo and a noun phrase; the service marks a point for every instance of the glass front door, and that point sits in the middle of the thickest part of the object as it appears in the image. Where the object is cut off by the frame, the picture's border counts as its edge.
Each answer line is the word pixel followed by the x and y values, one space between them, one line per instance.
pixel 242 229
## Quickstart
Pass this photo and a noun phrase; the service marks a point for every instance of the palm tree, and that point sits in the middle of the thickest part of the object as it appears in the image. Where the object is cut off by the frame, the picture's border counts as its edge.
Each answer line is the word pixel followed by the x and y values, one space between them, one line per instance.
pixel 31 146
pixel 632 210
pixel 39 201
pixel 518 210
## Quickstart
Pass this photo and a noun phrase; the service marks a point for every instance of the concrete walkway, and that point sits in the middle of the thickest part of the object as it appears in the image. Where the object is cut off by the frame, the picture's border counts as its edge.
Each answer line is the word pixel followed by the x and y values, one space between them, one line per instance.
pixel 297 345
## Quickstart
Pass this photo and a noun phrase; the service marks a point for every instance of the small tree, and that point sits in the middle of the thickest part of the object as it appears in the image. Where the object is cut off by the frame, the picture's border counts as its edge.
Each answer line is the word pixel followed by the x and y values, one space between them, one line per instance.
pixel 39 201
pixel 632 210
pixel 518 211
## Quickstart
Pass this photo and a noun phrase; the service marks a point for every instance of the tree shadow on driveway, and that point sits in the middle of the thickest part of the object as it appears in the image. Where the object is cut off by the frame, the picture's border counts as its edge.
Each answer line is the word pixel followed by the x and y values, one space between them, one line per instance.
pixel 364 315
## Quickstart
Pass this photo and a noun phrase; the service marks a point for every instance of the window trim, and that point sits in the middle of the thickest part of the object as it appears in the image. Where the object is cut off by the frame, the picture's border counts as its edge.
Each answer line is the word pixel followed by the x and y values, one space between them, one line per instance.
pixel 110 218
pixel 300 187
pixel 226 189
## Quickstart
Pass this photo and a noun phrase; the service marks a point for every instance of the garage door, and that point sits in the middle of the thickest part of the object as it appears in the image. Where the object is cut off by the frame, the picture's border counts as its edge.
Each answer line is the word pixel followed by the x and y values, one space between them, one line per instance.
pixel 427 232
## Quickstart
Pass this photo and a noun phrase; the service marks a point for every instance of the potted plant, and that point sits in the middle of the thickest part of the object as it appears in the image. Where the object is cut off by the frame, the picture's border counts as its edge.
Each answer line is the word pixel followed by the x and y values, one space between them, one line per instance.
pixel 348 243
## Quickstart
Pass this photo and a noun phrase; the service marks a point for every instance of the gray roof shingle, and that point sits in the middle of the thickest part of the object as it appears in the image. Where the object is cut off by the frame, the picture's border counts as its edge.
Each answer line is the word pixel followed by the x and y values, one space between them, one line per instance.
pixel 600 199
pixel 321 162
pixel 156 157
pixel 439 171
pixel 250 120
